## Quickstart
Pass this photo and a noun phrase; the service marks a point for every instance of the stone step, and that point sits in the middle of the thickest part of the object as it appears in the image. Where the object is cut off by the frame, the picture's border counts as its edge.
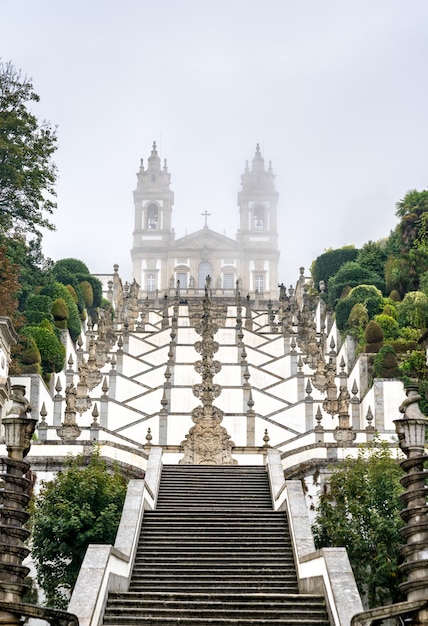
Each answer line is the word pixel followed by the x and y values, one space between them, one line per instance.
pixel 118 620
pixel 306 601
pixel 216 575
pixel 214 553
pixel 216 586
pixel 201 550
pixel 221 517
pixel 204 609
pixel 216 559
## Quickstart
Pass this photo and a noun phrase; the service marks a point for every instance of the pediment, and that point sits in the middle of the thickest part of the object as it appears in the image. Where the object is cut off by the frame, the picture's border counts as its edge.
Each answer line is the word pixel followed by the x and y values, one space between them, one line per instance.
pixel 205 238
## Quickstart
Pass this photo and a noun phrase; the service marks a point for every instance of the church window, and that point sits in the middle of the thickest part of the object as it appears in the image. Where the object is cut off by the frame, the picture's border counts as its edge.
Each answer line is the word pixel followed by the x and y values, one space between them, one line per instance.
pixel 152 217
pixel 182 277
pixel 153 178
pixel 151 282
pixel 259 281
pixel 228 281
pixel 205 269
pixel 259 217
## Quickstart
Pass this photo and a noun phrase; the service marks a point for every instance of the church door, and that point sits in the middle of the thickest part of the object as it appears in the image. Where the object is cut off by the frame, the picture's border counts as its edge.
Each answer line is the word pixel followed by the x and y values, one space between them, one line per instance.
pixel 205 269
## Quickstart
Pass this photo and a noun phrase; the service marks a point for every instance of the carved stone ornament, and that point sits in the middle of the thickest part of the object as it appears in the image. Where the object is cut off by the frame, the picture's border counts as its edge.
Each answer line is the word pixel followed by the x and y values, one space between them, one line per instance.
pixel 207 443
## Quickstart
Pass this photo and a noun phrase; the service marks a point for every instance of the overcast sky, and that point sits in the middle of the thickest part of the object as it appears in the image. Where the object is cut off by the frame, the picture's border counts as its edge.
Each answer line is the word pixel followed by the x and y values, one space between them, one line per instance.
pixel 335 92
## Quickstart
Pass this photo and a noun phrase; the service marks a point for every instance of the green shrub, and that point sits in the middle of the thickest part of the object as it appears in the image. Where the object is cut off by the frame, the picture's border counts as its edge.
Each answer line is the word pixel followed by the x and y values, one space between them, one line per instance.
pixel 38 308
pixel 409 333
pixel 414 365
pixel 328 263
pixel 389 326
pixel 374 337
pixel 413 310
pixel 358 317
pixel 72 266
pixel 385 363
pixel 97 289
pixel 60 310
pixel 368 295
pixel 395 296
pixel 403 345
pixel 26 357
pixel 52 352
pixel 390 309
pixel 88 295
pixel 58 290
pixel 351 275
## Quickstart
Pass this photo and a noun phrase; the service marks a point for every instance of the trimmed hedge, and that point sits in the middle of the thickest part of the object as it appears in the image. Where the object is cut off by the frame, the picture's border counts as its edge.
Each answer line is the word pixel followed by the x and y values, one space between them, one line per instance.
pixel 327 264
pixel 58 290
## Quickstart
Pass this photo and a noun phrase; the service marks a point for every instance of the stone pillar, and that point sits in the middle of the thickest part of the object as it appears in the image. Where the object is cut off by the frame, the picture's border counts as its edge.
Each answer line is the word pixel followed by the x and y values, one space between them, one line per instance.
pixel 18 431
pixel 411 434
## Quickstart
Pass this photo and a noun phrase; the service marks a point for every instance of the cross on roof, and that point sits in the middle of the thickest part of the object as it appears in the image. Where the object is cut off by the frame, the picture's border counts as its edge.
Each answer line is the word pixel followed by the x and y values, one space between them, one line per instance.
pixel 206 214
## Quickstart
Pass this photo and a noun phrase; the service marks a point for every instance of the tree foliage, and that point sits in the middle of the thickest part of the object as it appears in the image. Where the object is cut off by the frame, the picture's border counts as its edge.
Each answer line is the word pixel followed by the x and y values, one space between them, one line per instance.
pixel 361 512
pixel 328 263
pixel 81 505
pixel 373 256
pixel 9 285
pixel 52 352
pixel 351 275
pixel 27 172
pixel 413 310
pixel 368 295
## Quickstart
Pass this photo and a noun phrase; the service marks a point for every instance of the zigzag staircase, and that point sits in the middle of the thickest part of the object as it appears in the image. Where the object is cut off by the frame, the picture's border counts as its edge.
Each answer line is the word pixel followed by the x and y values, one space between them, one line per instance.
pixel 214 553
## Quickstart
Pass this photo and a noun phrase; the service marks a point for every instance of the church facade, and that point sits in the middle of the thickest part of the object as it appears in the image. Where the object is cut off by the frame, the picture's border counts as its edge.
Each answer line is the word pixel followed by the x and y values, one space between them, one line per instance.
pixel 162 262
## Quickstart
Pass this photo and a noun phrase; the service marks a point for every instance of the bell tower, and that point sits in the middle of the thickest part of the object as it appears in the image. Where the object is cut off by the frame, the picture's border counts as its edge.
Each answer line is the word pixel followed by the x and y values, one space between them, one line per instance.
pixel 258 236
pixel 153 235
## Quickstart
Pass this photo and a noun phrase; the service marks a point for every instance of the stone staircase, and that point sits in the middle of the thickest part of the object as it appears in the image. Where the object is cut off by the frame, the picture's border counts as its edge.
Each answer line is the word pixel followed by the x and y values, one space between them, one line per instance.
pixel 214 553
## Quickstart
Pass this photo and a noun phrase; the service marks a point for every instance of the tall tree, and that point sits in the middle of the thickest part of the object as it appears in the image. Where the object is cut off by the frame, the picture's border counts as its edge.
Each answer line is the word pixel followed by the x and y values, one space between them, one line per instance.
pixel 27 171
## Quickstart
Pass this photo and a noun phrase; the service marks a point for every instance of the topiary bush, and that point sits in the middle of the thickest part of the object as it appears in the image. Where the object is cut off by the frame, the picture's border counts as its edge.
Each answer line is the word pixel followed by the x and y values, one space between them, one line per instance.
pixel 26 357
pixel 58 290
pixel 373 336
pixel 60 313
pixel 52 352
pixel 88 295
pixel 386 364
pixel 328 263
pixel 38 308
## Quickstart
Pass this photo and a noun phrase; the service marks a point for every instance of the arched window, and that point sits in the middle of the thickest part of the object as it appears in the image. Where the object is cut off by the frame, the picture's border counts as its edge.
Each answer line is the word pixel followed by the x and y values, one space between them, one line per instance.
pixel 259 217
pixel 205 269
pixel 152 217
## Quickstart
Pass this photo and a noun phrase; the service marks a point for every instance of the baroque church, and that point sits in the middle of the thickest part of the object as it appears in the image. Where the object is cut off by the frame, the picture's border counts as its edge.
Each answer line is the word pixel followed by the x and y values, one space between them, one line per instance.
pixel 203 362
pixel 160 261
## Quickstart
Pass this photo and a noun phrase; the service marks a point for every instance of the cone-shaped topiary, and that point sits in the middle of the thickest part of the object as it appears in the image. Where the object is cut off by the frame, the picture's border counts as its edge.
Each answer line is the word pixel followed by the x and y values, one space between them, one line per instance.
pixel 88 294
pixel 374 337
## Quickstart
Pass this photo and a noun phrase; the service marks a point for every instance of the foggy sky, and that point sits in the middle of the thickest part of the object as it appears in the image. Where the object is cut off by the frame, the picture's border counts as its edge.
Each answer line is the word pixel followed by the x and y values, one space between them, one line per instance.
pixel 335 92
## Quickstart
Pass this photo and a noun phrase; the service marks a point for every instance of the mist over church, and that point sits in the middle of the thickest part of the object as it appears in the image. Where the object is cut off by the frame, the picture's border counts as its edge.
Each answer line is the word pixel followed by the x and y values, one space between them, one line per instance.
pixel 160 260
